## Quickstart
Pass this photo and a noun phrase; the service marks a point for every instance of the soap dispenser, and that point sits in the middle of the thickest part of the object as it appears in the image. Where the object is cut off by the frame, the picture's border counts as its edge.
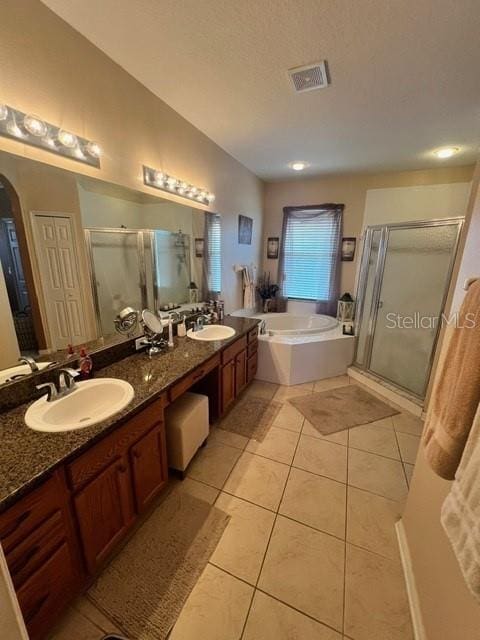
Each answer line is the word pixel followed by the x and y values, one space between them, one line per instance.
pixel 182 329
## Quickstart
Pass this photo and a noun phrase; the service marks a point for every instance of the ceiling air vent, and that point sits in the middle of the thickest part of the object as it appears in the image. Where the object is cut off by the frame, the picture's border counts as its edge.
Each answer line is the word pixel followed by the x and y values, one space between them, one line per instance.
pixel 310 77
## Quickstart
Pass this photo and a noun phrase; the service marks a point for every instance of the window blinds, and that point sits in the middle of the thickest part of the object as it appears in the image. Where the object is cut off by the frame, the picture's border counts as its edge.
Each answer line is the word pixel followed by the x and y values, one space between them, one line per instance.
pixel 214 253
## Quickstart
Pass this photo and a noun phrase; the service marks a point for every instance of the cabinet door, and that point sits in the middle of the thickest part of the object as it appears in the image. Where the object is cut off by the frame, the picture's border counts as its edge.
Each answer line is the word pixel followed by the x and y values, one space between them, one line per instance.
pixel 252 367
pixel 228 384
pixel 240 371
pixel 149 466
pixel 104 511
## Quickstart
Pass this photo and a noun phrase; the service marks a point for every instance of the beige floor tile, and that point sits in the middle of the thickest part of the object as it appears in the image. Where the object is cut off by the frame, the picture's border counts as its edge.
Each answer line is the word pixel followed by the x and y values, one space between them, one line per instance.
pixel 331 383
pixel 278 444
pixel 371 522
pixel 341 437
pixel 376 439
pixel 283 393
pixel 270 619
pixel 245 539
pixel 74 626
pixel 258 480
pixel 261 389
pixel 289 418
pixel 376 606
pixel 316 501
pixel 304 568
pixel 216 608
pixel 322 457
pixel 227 437
pixel 385 423
pixel 379 475
pixel 90 611
pixel 408 472
pixel 408 447
pixel 408 423
pixel 199 490
pixel 213 463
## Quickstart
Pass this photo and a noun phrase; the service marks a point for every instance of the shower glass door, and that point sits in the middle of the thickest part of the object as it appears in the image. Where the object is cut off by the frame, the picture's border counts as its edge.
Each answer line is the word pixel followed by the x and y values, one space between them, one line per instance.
pixel 403 292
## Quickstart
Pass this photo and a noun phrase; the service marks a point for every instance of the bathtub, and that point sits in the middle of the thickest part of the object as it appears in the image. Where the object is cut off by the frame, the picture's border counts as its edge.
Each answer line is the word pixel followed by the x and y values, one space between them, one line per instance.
pixel 300 348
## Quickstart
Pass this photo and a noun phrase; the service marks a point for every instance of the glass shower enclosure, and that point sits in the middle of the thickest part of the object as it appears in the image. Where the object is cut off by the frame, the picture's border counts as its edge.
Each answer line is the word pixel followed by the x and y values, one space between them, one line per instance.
pixel 136 268
pixel 404 278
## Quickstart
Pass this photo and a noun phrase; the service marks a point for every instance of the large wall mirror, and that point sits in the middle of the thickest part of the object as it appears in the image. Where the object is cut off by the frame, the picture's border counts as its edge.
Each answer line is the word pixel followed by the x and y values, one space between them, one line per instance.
pixel 74 251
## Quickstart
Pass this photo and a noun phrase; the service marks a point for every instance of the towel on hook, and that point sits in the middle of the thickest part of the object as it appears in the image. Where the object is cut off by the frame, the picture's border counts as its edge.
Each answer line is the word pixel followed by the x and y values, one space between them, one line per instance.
pixel 456 392
pixel 460 515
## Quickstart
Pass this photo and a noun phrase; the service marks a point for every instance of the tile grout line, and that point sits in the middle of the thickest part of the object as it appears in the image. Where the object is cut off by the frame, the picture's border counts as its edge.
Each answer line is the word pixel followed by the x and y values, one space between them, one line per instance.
pixel 268 541
pixel 345 547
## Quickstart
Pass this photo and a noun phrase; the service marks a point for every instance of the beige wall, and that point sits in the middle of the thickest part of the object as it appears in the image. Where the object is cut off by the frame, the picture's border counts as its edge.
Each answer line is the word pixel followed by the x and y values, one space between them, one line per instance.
pixel 448 609
pixel 351 190
pixel 51 70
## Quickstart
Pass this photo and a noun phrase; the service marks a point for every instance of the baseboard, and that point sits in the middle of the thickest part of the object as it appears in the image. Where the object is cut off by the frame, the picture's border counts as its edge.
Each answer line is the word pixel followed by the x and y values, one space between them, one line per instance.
pixel 415 611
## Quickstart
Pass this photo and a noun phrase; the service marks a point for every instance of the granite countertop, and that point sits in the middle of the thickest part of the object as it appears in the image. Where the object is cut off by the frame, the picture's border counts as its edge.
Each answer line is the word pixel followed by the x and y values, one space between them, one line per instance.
pixel 27 456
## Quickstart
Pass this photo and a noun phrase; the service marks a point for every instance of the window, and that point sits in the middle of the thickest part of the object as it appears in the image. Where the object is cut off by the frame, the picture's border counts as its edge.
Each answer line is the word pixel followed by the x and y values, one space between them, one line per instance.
pixel 310 252
pixel 213 253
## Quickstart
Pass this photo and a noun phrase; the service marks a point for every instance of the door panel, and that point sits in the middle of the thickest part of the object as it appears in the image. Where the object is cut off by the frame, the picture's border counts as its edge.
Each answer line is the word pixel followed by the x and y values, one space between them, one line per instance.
pixel 149 467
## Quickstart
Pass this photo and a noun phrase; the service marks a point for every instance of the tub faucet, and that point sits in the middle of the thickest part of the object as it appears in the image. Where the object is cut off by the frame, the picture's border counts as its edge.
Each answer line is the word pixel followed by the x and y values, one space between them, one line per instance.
pixel 30 361
pixel 263 327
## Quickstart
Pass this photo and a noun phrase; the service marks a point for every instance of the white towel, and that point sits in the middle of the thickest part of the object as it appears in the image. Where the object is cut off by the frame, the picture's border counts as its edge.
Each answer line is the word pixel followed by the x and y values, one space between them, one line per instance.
pixel 460 515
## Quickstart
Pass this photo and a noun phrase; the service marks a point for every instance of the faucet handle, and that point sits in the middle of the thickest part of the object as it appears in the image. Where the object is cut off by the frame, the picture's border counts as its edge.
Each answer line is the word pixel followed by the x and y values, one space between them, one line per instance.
pixel 66 378
pixel 51 390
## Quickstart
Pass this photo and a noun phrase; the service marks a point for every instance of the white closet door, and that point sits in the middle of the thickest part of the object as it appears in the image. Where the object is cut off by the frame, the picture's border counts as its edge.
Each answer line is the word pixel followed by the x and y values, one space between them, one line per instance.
pixel 59 274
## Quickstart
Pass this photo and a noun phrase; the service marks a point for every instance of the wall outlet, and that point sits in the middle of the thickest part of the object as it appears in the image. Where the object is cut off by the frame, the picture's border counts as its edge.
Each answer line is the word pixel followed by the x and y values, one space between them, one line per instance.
pixel 140 343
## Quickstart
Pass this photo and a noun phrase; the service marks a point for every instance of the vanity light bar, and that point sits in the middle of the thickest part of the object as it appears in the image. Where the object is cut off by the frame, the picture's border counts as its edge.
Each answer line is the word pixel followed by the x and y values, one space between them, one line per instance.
pixel 31 129
pixel 165 182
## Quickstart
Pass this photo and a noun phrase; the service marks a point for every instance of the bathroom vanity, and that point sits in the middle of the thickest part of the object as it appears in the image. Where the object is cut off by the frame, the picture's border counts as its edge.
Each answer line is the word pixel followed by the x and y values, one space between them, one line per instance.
pixel 67 500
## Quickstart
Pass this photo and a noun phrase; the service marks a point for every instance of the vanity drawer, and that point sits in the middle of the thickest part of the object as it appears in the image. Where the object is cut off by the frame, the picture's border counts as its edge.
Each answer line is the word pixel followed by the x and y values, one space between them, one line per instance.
pixel 234 349
pixel 252 348
pixel 46 593
pixel 114 446
pixel 184 385
pixel 29 512
pixel 253 334
pixel 29 555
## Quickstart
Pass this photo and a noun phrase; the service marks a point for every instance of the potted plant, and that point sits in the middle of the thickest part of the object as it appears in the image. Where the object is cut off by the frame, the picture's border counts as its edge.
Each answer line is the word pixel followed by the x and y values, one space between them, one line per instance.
pixel 267 291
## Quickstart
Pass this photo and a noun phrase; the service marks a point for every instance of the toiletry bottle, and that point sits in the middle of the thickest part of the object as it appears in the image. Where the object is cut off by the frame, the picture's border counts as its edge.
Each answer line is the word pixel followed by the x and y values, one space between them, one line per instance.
pixel 70 350
pixel 85 365
pixel 182 329
pixel 170 332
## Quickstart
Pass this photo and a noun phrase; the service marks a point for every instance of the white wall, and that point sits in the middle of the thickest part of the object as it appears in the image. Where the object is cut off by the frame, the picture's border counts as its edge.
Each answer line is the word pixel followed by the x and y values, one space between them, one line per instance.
pixel 404 204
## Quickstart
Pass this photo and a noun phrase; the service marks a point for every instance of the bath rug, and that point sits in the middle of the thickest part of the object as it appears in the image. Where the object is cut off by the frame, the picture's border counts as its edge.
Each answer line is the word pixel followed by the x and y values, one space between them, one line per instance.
pixel 251 416
pixel 145 587
pixel 341 408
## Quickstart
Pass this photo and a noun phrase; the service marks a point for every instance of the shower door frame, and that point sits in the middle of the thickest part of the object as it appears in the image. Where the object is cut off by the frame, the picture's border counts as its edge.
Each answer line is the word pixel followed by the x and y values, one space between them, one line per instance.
pixel 141 234
pixel 372 313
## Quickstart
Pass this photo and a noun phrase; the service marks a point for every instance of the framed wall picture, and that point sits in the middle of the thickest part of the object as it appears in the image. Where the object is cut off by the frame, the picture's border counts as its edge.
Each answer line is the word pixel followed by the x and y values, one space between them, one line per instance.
pixel 199 246
pixel 348 249
pixel 245 226
pixel 272 248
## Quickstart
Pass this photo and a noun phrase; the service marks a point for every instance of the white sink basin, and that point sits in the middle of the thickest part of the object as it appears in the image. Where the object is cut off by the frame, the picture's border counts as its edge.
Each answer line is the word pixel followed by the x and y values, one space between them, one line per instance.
pixel 91 402
pixel 212 332
pixel 19 371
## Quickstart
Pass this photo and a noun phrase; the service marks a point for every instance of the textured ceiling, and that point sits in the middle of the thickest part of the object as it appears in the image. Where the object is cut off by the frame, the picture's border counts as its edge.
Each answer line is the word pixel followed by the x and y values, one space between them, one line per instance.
pixel 405 75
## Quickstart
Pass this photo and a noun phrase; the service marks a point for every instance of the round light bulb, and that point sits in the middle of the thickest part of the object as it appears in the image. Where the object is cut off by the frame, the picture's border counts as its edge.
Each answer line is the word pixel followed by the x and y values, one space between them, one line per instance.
pixel 298 165
pixel 35 126
pixel 159 177
pixel 211 197
pixel 171 183
pixel 3 112
pixel 446 152
pixel 14 130
pixel 203 195
pixel 68 139
pixel 93 149
pixel 193 190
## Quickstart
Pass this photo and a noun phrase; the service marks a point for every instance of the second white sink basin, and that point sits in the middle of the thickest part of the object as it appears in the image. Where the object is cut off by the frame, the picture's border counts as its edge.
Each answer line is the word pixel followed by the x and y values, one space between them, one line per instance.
pixel 89 403
pixel 212 332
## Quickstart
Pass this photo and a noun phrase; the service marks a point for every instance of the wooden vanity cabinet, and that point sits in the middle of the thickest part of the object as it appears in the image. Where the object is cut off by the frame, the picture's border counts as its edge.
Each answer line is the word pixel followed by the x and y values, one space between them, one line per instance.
pixel 115 480
pixel 234 371
pixel 41 549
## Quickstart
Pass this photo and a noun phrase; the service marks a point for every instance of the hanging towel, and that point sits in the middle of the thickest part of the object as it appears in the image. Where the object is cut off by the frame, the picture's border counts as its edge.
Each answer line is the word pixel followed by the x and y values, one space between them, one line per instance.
pixel 456 393
pixel 460 515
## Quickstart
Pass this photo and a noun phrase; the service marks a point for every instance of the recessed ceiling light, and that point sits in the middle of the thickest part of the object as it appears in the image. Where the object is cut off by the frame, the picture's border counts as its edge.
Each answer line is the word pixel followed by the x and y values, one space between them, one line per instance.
pixel 446 152
pixel 298 165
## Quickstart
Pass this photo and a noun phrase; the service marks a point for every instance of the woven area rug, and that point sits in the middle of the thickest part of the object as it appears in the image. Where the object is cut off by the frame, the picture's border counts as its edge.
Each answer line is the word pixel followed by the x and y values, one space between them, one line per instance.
pixel 341 408
pixel 145 587
pixel 251 416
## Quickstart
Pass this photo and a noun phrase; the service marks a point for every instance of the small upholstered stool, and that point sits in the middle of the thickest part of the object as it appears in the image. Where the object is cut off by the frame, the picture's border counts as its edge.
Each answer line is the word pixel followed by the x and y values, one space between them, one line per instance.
pixel 187 428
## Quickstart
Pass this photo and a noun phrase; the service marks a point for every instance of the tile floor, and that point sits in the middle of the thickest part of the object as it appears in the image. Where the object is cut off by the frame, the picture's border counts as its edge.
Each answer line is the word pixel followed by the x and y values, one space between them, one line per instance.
pixel 310 551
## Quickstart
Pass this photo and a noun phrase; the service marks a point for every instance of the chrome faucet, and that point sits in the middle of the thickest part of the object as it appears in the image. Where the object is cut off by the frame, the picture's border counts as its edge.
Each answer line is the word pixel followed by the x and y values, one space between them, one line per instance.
pixel 66 384
pixel 30 361
pixel 200 322
pixel 263 327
